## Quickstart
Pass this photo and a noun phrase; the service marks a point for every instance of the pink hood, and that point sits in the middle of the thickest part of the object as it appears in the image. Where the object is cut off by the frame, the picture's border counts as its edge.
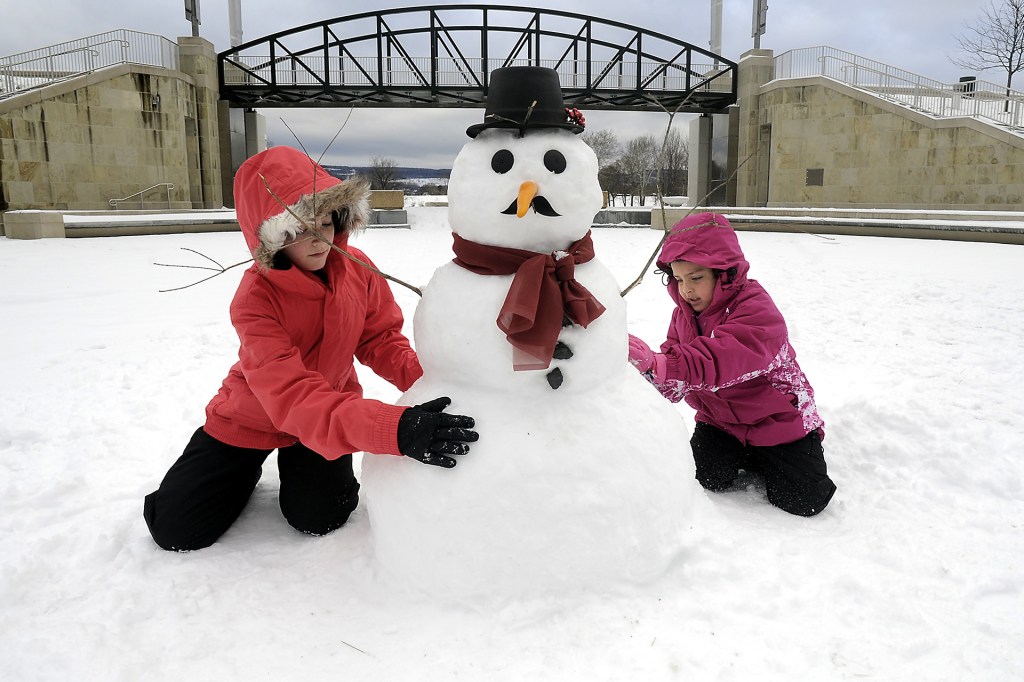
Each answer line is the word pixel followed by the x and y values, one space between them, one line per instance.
pixel 706 239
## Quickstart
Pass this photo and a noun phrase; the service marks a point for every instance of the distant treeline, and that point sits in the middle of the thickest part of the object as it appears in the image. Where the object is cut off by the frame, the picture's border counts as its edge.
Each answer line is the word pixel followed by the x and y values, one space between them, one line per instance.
pixel 401 172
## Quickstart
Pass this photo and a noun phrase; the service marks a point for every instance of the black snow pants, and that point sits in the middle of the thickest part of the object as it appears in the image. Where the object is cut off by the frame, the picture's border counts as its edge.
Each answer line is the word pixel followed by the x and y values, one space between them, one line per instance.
pixel 795 474
pixel 205 491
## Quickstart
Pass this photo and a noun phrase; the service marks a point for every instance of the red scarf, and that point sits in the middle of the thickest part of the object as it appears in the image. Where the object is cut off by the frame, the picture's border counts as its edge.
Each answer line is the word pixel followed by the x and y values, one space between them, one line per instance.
pixel 542 292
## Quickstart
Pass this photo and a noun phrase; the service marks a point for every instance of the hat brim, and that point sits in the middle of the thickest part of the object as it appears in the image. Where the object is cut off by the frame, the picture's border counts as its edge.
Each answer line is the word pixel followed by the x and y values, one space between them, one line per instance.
pixel 476 129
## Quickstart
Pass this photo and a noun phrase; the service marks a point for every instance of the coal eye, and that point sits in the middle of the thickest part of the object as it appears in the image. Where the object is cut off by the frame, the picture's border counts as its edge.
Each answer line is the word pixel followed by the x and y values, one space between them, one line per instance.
pixel 502 161
pixel 554 161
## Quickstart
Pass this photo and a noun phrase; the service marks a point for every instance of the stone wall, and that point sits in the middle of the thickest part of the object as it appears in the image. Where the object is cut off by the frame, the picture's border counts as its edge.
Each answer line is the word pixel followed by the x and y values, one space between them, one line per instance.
pixel 387 199
pixel 77 144
pixel 832 145
pixel 97 141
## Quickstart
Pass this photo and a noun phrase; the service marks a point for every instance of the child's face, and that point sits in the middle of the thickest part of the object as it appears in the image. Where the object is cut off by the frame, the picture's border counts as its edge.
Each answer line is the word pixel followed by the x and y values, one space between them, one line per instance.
pixel 696 283
pixel 308 252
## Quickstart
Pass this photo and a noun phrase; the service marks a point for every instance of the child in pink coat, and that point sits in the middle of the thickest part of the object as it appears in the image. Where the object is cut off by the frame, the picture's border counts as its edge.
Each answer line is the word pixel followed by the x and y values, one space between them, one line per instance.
pixel 728 356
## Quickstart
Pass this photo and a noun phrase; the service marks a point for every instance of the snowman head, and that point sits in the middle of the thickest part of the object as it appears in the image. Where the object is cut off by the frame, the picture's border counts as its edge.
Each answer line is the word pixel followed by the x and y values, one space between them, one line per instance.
pixel 537 192
pixel 525 180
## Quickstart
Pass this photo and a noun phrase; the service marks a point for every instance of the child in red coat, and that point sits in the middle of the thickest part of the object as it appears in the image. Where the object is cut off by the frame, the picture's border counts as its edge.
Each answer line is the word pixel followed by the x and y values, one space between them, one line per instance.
pixel 303 313
pixel 728 356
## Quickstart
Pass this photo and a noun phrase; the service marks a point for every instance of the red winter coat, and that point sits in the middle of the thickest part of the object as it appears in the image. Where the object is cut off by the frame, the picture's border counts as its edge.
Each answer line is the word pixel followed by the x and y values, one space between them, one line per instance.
pixel 733 362
pixel 295 379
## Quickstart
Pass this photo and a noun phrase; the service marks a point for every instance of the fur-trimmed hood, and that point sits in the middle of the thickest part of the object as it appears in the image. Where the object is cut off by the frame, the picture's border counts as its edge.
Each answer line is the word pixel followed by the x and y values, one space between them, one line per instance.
pixel 298 182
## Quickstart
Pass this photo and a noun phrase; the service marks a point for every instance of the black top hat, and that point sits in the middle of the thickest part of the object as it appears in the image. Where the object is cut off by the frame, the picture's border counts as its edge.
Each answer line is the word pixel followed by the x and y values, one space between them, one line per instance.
pixel 525 97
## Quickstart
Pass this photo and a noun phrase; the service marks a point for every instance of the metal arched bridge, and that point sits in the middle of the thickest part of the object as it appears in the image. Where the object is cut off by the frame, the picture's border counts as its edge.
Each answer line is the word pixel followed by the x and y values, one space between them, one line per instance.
pixel 441 56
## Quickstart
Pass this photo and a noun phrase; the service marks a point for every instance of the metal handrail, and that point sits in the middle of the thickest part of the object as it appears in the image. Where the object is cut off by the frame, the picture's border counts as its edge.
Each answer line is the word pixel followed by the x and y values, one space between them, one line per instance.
pixel 975 98
pixel 32 78
pixel 76 57
pixel 142 202
pixel 95 53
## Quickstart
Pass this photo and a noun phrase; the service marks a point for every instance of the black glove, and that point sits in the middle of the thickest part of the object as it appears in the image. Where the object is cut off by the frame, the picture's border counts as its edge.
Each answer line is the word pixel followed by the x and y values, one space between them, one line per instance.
pixel 428 434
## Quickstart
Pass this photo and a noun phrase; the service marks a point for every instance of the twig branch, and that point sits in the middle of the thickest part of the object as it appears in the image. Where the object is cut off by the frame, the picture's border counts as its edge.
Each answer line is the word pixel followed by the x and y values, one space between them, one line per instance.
pixel 313 230
pixel 329 144
pixel 217 271
pixel 372 269
pixel 667 228
pixel 657 188
pixel 313 164
pixel 316 234
pixel 661 158
pixel 356 648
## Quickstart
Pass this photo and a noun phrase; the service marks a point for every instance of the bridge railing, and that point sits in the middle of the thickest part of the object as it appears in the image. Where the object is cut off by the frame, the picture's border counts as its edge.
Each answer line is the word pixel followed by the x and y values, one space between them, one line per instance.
pixel 401 72
pixel 977 98
pixel 33 69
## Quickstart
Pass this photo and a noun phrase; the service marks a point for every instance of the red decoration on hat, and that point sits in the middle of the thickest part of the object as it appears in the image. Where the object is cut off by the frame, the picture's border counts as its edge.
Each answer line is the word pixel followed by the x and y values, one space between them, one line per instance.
pixel 575 116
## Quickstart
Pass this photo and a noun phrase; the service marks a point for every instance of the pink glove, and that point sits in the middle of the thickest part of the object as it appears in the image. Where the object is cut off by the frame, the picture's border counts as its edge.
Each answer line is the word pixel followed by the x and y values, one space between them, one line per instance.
pixel 640 354
pixel 645 360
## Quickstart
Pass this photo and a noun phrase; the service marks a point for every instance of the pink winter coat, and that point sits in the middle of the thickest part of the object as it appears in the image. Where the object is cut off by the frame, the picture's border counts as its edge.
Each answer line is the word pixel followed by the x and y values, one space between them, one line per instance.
pixel 295 379
pixel 733 362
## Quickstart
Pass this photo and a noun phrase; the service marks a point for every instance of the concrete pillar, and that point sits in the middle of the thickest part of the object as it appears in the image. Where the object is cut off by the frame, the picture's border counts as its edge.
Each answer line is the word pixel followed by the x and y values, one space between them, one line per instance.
pixel 698 183
pixel 243 133
pixel 756 67
pixel 198 59
pixel 255 133
pixel 731 154
pixel 226 124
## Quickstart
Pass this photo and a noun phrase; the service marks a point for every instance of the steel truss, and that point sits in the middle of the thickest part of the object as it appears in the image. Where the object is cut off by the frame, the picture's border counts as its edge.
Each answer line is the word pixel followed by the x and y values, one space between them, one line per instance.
pixel 441 56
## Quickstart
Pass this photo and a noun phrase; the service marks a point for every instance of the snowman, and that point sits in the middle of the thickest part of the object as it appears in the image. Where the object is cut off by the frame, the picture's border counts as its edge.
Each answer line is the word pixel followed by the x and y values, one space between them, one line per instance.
pixel 580 477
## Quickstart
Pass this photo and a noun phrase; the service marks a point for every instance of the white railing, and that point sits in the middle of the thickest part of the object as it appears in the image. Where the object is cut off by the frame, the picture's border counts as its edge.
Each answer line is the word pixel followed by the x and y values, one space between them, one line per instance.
pixel 168 186
pixel 980 99
pixel 451 73
pixel 36 68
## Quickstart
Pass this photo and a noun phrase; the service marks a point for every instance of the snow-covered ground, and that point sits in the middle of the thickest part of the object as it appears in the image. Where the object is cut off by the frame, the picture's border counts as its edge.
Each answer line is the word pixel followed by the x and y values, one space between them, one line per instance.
pixel 914 572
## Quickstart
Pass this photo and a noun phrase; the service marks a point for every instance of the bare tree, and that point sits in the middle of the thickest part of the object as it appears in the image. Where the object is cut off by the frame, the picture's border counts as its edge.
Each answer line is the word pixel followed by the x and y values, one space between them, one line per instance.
pixel 614 179
pixel 996 41
pixel 605 145
pixel 383 173
pixel 675 158
pixel 639 162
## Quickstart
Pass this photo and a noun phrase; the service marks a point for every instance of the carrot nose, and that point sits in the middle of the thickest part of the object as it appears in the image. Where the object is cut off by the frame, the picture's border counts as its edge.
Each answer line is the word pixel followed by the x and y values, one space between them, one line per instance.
pixel 527 191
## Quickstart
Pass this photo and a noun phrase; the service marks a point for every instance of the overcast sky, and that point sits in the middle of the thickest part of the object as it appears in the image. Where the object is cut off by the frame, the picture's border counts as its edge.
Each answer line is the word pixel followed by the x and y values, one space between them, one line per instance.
pixel 915 35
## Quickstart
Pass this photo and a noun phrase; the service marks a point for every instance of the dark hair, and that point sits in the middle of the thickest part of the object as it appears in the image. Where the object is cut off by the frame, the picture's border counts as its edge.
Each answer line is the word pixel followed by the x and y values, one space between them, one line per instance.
pixel 339 217
pixel 280 261
pixel 666 275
